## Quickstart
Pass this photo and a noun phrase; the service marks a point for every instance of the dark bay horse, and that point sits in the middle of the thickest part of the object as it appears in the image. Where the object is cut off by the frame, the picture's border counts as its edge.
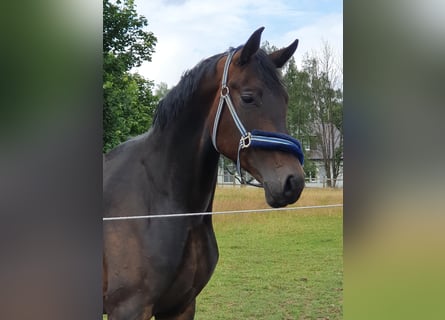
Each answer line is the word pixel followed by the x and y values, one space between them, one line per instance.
pixel 232 104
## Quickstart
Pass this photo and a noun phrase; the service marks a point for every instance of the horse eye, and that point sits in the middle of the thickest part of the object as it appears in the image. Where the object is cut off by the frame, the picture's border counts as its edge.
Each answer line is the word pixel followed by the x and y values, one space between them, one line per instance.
pixel 247 98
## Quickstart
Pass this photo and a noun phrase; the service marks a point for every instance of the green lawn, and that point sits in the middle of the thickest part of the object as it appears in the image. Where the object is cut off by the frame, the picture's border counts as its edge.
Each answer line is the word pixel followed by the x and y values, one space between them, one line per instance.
pixel 284 265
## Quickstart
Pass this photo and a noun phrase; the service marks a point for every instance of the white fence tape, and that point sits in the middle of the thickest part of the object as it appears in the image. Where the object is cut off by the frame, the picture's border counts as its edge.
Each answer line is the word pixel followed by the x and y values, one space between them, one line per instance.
pixel 177 215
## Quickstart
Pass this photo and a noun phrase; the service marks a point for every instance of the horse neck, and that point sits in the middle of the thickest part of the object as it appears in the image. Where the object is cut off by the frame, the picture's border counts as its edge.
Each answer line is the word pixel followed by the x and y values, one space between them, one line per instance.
pixel 189 162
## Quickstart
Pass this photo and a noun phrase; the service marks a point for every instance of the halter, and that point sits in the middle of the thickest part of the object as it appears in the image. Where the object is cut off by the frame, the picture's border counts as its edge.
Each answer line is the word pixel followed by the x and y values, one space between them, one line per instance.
pixel 255 138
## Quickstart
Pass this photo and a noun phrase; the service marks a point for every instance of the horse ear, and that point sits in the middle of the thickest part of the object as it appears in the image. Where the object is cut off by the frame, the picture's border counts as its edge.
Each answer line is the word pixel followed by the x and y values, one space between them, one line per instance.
pixel 251 47
pixel 281 56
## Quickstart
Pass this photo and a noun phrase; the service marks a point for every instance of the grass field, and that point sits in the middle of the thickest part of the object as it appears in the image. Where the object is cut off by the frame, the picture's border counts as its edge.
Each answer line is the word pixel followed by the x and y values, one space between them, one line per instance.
pixel 276 265
pixel 281 265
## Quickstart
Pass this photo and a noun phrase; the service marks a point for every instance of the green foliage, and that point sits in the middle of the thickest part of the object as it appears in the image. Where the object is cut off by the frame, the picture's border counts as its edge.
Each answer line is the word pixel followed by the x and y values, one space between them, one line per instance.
pixel 299 111
pixel 161 90
pixel 267 47
pixel 124 37
pixel 298 118
pixel 310 169
pixel 128 108
pixel 128 103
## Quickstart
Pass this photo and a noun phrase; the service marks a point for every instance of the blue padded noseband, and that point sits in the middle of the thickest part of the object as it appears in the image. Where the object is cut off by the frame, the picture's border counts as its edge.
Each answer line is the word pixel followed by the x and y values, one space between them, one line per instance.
pixel 277 141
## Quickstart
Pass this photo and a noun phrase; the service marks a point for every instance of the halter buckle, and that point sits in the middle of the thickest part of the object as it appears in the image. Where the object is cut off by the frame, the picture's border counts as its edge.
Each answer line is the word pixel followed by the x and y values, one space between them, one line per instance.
pixel 245 141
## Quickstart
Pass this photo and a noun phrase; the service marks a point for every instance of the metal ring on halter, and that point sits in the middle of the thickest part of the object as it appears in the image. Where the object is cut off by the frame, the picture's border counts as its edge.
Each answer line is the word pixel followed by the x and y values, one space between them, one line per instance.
pixel 245 141
pixel 225 91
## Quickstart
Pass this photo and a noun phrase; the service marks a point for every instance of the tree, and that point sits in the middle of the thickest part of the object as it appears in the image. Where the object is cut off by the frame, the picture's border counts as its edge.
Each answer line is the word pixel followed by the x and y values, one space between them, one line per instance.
pixel 299 110
pixel 128 100
pixel 267 47
pixel 326 110
pixel 161 90
pixel 124 37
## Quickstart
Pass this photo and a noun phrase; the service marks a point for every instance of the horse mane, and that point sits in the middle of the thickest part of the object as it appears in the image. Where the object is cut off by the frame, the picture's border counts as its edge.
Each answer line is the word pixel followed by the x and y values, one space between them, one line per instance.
pixel 180 95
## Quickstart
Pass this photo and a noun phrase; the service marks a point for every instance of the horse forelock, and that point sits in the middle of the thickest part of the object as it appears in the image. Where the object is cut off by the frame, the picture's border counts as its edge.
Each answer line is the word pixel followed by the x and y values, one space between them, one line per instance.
pixel 267 71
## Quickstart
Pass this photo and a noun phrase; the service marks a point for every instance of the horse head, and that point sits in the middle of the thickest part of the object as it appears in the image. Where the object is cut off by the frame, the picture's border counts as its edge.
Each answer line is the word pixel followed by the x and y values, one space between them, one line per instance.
pixel 250 120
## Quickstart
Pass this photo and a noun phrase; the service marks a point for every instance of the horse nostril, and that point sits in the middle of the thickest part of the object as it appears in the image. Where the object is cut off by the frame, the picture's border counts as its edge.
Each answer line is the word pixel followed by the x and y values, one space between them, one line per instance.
pixel 293 186
pixel 289 186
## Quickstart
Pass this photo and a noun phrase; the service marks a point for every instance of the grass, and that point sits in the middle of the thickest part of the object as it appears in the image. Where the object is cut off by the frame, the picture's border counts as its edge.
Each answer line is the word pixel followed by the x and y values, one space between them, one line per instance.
pixel 283 265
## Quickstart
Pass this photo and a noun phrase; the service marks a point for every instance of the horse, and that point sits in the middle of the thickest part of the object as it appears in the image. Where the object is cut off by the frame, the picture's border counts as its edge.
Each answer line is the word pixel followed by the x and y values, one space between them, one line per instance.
pixel 233 104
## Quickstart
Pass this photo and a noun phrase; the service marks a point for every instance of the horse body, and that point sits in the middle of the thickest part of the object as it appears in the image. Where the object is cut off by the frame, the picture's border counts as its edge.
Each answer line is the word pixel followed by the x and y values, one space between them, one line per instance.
pixel 157 267
pixel 137 181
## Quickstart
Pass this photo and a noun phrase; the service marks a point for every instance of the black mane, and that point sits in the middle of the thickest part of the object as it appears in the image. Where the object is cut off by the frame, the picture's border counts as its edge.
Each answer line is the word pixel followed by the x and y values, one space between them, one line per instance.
pixel 180 95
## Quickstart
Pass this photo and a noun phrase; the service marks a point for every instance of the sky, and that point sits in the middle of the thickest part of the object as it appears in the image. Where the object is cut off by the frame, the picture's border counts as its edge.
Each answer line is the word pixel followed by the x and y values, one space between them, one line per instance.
pixel 189 31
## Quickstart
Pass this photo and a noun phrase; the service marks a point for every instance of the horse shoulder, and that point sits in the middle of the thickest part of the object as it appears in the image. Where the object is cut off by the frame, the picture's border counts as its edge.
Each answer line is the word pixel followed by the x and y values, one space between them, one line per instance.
pixel 125 181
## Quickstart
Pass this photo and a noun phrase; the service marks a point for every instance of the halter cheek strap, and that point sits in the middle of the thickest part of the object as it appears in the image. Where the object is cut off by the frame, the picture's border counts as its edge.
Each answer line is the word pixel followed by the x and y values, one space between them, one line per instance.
pixel 255 138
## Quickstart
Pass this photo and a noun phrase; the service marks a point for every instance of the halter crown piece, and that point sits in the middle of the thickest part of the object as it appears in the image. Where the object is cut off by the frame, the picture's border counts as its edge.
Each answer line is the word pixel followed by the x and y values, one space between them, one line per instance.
pixel 255 138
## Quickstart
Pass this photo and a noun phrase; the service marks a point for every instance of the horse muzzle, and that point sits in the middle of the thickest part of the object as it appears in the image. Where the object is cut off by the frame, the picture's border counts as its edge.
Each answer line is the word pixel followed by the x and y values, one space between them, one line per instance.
pixel 282 192
pixel 280 173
